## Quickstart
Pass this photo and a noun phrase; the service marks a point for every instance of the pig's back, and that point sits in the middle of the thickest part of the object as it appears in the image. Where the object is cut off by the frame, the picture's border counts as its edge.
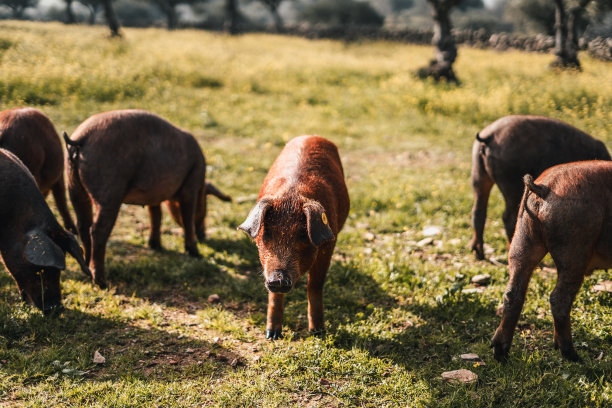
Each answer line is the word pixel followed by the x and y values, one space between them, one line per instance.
pixel 304 158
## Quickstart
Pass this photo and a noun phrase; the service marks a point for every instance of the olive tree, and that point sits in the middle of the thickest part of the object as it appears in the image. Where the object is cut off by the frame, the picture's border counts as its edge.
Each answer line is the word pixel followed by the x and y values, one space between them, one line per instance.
pixel 441 67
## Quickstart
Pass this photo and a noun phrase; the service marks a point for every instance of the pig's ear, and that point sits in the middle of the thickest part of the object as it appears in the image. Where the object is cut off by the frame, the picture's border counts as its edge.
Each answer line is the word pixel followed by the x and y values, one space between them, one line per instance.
pixel 254 221
pixel 317 224
pixel 41 251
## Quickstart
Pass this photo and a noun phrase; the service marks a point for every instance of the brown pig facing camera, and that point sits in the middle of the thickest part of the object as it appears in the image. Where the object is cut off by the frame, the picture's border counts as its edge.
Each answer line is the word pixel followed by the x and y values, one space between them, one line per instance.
pixel 567 212
pixel 32 243
pixel 302 206
pixel 135 157
pixel 516 145
pixel 30 135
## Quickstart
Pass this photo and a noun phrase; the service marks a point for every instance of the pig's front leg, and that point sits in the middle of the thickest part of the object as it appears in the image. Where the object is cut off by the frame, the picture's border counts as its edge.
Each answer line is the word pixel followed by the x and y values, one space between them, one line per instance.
pixel 316 279
pixel 276 307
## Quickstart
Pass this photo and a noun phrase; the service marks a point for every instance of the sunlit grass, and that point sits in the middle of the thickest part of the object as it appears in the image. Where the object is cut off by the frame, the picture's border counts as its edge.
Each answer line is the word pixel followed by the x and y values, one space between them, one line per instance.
pixel 395 311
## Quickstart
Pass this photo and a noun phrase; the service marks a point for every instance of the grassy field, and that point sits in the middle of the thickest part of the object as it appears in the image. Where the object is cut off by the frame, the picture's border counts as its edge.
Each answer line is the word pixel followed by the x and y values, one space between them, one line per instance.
pixel 395 311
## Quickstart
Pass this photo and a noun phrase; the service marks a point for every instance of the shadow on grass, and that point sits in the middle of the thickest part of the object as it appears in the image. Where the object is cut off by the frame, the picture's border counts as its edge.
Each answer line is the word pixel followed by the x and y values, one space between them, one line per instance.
pixel 37 349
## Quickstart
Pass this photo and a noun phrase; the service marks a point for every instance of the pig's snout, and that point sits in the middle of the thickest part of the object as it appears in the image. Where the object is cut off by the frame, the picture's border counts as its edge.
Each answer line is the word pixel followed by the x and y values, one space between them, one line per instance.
pixel 279 282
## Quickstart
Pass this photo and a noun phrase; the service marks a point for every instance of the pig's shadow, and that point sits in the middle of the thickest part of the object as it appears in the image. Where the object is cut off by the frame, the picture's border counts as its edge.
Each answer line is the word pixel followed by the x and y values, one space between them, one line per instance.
pixel 466 323
pixel 32 342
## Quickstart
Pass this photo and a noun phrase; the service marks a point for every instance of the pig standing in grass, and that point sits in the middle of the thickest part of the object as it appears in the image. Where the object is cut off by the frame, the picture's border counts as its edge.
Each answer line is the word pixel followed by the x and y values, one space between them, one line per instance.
pixel 30 135
pixel 302 206
pixel 32 243
pixel 568 213
pixel 514 146
pixel 135 157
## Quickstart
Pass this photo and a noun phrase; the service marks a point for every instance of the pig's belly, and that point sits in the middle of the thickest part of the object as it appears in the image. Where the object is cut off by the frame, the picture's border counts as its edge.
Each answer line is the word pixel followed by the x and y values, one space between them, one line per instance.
pixel 151 195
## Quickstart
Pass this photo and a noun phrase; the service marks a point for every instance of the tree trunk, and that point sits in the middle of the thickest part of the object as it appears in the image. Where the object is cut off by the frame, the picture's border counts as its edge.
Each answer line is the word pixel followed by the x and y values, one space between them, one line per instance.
pixel 70 18
pixel 93 10
pixel 18 12
pixel 443 41
pixel 111 18
pixel 278 21
pixel 230 25
pixel 566 35
pixel 171 17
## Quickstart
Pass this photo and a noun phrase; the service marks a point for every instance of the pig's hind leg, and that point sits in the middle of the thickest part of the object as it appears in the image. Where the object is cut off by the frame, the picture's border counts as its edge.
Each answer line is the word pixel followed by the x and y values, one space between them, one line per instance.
pixel 104 221
pixel 155 216
pixel 525 254
pixel 187 198
pixel 482 185
pixel 571 268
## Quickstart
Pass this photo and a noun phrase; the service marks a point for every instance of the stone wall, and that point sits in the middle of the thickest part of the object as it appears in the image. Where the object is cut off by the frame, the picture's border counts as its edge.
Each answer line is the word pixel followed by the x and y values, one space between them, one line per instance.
pixel 599 47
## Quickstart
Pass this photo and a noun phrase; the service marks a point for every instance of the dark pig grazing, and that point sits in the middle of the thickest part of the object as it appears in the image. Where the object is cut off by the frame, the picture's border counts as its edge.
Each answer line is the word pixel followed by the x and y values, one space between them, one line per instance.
pixel 32 243
pixel 30 135
pixel 134 157
pixel 514 146
pixel 302 206
pixel 567 212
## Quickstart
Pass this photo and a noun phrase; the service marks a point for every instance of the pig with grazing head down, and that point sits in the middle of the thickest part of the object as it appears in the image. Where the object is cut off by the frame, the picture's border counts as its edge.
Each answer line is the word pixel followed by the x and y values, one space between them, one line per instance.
pixel 32 243
pixel 30 135
pixel 566 212
pixel 302 206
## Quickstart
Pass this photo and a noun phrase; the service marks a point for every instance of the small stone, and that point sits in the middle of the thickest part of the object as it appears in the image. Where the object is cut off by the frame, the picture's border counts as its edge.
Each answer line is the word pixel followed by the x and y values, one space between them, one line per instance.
pixel 234 362
pixel 431 231
pixel 460 376
pixel 98 358
pixel 468 291
pixel 214 298
pixel 481 280
pixel 368 236
pixel 256 359
pixel 470 357
pixel 425 241
pixel 474 358
pixel 454 241
pixel 605 286
pixel 216 340
pixel 189 350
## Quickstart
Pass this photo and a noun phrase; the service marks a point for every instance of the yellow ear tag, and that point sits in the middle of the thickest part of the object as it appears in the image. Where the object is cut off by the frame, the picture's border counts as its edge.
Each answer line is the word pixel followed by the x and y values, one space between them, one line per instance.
pixel 324 218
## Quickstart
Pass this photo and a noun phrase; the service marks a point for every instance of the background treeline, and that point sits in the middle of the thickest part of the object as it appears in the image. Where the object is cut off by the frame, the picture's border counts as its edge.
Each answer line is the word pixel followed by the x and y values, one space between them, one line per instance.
pixel 493 16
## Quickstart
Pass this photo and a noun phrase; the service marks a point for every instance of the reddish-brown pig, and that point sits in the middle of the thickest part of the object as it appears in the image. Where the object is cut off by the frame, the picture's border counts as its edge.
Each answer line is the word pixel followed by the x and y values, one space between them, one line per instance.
pixel 135 157
pixel 302 206
pixel 30 135
pixel 516 145
pixel 567 212
pixel 32 243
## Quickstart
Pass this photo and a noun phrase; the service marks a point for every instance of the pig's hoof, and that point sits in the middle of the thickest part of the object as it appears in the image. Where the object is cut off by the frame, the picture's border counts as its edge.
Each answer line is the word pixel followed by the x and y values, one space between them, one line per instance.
pixel 571 355
pixel 201 236
pixel 501 351
pixel 101 284
pixel 193 252
pixel 274 334
pixel 478 252
pixel 155 245
pixel 320 333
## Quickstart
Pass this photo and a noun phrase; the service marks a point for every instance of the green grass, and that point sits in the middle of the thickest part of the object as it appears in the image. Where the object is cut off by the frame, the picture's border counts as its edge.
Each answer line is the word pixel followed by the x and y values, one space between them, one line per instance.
pixel 395 313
